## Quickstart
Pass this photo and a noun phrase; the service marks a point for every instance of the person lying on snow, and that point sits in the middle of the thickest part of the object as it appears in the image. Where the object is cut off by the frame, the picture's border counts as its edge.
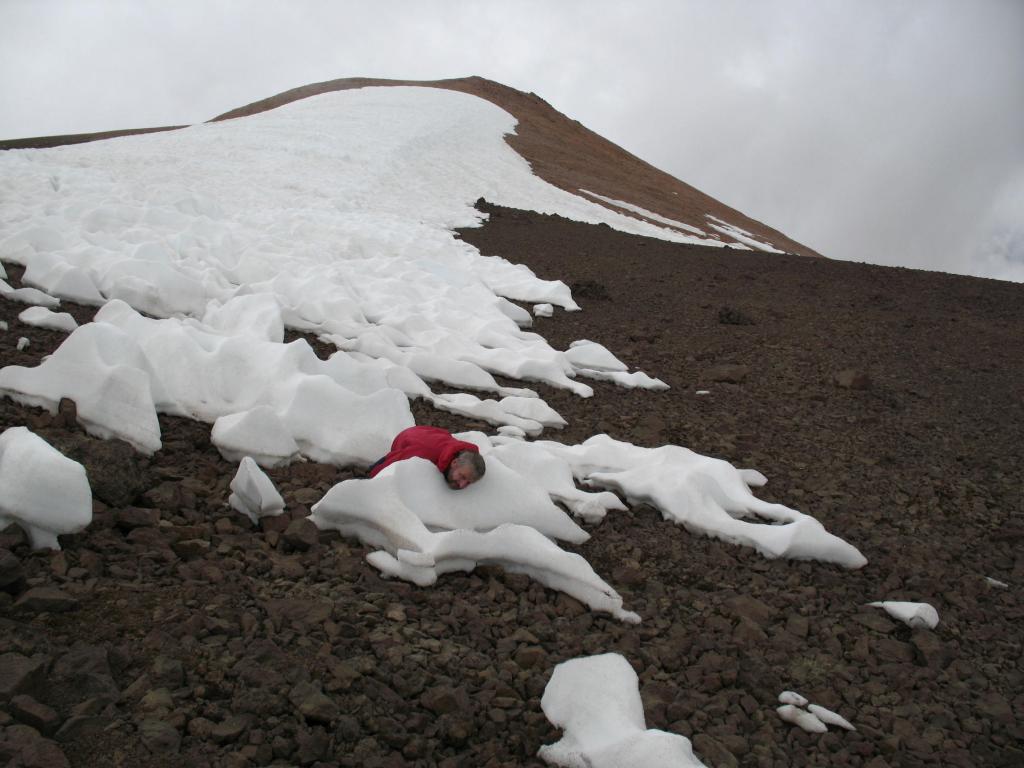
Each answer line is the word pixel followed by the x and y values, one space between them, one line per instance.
pixel 460 462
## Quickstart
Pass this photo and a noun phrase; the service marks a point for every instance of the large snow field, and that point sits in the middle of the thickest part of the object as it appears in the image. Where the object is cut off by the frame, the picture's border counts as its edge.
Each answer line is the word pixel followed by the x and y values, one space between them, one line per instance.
pixel 596 702
pixel 338 208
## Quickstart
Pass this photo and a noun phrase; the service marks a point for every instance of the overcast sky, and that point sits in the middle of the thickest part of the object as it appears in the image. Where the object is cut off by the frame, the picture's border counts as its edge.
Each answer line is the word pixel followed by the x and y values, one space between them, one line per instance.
pixel 870 130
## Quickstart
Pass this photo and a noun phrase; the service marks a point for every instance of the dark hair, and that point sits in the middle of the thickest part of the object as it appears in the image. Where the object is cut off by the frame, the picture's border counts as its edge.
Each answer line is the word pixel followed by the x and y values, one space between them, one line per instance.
pixel 473 459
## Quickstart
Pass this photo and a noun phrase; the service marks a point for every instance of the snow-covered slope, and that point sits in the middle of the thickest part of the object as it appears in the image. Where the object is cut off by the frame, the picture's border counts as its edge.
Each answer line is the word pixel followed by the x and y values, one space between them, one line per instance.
pixel 334 215
pixel 357 192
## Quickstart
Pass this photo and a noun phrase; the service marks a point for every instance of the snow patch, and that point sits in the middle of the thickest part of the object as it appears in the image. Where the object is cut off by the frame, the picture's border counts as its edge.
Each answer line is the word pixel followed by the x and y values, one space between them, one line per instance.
pixel 31 296
pixel 123 368
pixel 815 719
pixel 702 237
pixel 596 701
pixel 45 492
pixel 258 433
pixel 591 355
pixel 741 236
pixel 106 373
pixel 635 380
pixel 253 493
pixel 808 721
pixel 704 495
pixel 792 697
pixel 912 614
pixel 555 477
pixel 829 717
pixel 416 487
pixel 41 317
pixel 502 519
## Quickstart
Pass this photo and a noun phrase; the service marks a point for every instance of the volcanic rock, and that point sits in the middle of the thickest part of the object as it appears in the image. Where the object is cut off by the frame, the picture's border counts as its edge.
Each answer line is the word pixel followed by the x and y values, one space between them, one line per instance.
pixel 43 753
pixel 851 378
pixel 11 571
pixel 117 473
pixel 444 700
pixel 932 651
pixel 751 609
pixel 229 729
pixel 20 674
pixel 994 706
pixel 733 316
pixel 732 374
pixel 79 727
pixel 136 517
pixel 46 600
pixel 312 745
pixel 281 610
pixel 191 549
pixel 31 712
pixel 167 671
pixel 313 704
pixel 301 534
pixel 159 736
pixel 713 752
pixel 157 699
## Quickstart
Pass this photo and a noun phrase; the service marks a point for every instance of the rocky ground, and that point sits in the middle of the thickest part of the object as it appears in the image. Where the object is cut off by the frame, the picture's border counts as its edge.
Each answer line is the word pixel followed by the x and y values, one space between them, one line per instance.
pixel 885 402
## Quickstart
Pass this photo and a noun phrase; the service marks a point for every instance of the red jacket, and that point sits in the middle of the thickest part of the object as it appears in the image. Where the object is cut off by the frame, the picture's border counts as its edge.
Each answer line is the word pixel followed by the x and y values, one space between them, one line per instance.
pixel 432 443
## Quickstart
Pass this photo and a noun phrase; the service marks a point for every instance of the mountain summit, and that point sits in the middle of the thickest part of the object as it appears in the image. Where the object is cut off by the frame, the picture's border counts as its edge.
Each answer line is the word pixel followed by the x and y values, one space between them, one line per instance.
pixel 565 153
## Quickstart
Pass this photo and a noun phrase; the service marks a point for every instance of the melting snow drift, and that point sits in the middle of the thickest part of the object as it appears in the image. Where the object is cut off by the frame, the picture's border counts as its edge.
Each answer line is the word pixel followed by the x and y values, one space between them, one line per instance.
pixel 705 495
pixel 596 702
pixel 914 615
pixel 43 490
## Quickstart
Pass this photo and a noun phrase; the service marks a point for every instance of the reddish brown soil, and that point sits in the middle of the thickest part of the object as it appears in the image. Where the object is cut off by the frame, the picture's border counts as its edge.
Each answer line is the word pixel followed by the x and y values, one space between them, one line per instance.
pixel 44 142
pixel 921 471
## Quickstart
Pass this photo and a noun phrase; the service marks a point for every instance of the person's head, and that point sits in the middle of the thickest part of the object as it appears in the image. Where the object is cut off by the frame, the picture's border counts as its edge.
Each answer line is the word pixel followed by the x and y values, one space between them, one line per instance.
pixel 466 468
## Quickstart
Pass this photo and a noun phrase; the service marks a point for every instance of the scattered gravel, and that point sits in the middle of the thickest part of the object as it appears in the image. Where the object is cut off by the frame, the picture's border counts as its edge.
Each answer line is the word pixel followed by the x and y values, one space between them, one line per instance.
pixel 173 632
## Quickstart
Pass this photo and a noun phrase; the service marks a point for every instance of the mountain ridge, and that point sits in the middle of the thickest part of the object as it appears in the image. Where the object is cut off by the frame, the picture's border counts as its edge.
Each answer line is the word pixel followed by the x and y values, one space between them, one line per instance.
pixel 566 153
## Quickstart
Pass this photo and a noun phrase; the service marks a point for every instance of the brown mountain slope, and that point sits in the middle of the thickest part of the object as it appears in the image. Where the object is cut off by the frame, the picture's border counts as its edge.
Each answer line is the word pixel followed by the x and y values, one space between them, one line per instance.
pixel 45 142
pixel 565 153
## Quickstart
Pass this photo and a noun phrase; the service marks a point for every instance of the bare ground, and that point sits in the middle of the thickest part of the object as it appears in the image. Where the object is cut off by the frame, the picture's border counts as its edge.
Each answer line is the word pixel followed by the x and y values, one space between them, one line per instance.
pixel 190 638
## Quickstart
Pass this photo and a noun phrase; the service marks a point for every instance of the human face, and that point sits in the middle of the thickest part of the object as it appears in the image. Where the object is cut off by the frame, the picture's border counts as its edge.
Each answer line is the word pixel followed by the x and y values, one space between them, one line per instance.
pixel 460 475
